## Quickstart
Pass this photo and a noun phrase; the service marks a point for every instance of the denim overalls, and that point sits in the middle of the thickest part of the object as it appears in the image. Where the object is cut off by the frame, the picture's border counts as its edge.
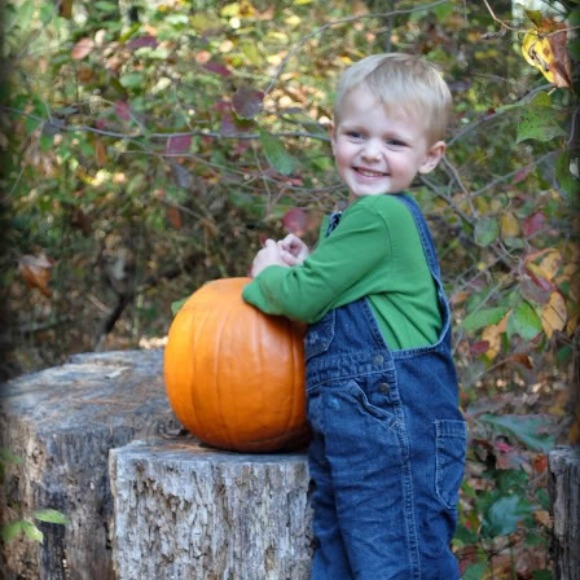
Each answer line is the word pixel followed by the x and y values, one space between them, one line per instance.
pixel 388 446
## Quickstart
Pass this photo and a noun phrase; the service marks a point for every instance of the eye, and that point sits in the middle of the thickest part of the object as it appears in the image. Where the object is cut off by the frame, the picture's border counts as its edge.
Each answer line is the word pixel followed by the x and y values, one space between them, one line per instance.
pixel 354 135
pixel 396 143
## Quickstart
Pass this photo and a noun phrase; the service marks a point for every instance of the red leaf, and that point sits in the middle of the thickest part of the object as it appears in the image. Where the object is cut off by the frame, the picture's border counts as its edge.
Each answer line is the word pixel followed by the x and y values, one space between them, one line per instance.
pixel 295 221
pixel 232 126
pixel 223 107
pixel 178 144
pixel 82 48
pixel 521 175
pixel 173 215
pixel 247 102
pixel 141 41
pixel 504 447
pixel 533 288
pixel 228 128
pixel 217 68
pixel 479 347
pixel 540 463
pixel 545 285
pixel 533 223
pixel 123 110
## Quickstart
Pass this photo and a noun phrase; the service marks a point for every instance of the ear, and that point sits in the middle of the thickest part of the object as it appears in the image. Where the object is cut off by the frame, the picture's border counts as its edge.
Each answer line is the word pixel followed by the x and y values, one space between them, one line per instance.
pixel 332 134
pixel 433 156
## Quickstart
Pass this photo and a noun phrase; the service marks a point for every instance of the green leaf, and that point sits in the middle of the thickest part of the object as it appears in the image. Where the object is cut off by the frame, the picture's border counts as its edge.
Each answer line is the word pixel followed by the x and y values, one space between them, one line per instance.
pixel 539 120
pixel 32 532
pixel 512 481
pixel 9 458
pixel 46 12
pixel 25 14
pixel 176 306
pixel 443 11
pixel 574 48
pixel 103 6
pixel 542 575
pixel 11 531
pixel 465 536
pixel 486 231
pixel 528 429
pixel 474 571
pixel 50 516
pixel 132 80
pixel 524 321
pixel 504 515
pixel 564 176
pixel 481 318
pixel 535 16
pixel 276 154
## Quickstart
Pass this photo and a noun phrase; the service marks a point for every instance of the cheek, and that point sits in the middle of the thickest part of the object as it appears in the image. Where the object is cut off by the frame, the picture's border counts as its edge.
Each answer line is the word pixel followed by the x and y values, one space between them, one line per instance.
pixel 342 154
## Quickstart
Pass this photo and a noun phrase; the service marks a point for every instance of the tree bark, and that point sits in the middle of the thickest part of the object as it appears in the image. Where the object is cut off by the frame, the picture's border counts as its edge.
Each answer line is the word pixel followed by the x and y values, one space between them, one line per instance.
pixel 564 467
pixel 186 511
pixel 61 423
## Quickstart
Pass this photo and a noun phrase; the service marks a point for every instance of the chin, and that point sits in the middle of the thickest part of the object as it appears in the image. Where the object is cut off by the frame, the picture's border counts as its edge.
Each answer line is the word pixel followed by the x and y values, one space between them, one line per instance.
pixel 365 193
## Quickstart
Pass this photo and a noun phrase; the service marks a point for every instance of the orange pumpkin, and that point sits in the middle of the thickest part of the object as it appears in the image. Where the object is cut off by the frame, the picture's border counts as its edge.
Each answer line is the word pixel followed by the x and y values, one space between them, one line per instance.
pixel 234 375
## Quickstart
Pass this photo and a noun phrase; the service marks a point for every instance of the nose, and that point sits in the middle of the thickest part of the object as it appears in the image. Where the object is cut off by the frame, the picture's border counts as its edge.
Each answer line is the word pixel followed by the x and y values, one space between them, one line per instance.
pixel 371 150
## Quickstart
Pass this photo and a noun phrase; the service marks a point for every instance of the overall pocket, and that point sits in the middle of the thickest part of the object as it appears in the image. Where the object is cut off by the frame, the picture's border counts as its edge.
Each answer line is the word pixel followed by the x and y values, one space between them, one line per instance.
pixel 451 444
pixel 319 336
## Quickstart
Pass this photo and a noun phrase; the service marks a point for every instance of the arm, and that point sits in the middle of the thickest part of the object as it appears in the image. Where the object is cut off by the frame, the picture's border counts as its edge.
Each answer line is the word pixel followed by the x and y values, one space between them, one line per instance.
pixel 335 273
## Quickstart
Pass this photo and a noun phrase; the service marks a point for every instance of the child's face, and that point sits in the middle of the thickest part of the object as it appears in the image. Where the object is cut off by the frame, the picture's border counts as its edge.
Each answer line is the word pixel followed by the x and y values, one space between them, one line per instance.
pixel 378 150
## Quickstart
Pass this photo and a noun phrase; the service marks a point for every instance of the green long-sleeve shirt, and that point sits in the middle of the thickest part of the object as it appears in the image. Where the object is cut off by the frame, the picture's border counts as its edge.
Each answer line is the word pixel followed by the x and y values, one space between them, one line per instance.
pixel 376 252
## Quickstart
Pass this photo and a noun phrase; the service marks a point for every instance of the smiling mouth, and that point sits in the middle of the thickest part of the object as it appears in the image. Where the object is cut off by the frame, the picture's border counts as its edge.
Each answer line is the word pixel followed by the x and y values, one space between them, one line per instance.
pixel 369 172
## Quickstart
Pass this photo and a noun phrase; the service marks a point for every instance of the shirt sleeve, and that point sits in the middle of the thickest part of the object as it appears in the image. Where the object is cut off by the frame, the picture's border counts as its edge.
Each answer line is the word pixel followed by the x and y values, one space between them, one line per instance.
pixel 334 274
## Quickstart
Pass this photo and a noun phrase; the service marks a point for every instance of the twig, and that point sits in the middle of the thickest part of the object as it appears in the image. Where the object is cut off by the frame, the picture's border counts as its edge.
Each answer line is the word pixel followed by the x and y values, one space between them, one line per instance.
pixel 501 179
pixel 340 22
pixel 33 327
pixel 498 20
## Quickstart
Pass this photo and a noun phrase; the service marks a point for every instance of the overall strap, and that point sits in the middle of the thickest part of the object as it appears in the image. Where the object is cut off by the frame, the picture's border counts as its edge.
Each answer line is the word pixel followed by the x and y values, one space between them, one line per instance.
pixel 424 233
pixel 333 221
pixel 433 263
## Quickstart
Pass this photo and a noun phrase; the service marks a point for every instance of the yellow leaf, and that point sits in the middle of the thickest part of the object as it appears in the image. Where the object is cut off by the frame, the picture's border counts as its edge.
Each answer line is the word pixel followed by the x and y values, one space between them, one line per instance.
pixel 35 270
pixel 544 47
pixel 492 334
pixel 510 226
pixel 544 519
pixel 548 266
pixel 100 153
pixel 554 314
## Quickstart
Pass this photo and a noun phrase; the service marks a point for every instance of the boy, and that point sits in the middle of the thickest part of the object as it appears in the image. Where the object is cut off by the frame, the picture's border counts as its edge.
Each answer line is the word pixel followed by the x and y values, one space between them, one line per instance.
pixel 388 447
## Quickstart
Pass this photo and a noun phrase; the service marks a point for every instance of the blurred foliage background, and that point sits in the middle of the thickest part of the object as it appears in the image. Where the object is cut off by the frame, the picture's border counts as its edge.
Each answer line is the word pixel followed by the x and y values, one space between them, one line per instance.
pixel 148 147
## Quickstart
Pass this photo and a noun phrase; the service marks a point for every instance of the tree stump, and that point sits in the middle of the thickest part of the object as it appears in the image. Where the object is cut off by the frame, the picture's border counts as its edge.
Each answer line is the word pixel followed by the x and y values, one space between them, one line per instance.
pixel 61 423
pixel 564 466
pixel 183 511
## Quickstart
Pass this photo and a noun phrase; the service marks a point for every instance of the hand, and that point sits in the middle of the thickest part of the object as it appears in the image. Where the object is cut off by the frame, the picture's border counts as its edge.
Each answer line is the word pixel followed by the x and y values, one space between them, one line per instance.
pixel 293 250
pixel 269 255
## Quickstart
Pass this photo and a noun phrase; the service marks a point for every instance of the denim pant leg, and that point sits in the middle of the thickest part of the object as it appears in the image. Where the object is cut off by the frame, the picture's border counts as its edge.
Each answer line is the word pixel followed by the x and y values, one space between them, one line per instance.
pixel 330 560
pixel 367 519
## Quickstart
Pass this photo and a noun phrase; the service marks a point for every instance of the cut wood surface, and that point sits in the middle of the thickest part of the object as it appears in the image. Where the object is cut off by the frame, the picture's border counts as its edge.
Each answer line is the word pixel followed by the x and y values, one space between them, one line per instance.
pixel 61 423
pixel 564 466
pixel 184 511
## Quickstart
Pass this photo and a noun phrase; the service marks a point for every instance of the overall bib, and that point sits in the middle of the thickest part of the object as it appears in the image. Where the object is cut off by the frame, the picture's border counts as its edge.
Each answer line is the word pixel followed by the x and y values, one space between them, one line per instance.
pixel 388 448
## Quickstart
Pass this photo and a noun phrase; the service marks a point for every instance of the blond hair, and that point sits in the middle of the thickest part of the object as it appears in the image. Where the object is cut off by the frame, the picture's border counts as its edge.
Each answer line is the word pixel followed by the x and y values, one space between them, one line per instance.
pixel 401 80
